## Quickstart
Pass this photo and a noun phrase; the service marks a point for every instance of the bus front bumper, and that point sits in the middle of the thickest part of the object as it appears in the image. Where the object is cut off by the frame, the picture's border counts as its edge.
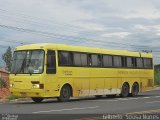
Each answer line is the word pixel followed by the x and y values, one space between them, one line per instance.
pixel 27 93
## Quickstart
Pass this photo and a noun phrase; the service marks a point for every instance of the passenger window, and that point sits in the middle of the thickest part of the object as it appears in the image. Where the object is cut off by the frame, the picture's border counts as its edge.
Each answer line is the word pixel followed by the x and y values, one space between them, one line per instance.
pixel 139 63
pixel 84 59
pixel 107 61
pixel 95 61
pixel 129 62
pixel 147 62
pixel 99 60
pixel 117 61
pixel 51 62
pixel 134 63
pixel 65 58
pixel 89 60
pixel 124 61
pixel 77 59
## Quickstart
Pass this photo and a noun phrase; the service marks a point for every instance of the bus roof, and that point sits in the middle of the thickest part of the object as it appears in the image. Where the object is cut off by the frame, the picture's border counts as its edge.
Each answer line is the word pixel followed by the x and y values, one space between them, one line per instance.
pixel 81 49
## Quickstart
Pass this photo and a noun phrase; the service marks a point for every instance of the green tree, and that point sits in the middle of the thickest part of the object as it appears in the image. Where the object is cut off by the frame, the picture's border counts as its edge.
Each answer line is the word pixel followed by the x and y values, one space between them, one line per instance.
pixel 157 77
pixel 7 57
pixel 3 83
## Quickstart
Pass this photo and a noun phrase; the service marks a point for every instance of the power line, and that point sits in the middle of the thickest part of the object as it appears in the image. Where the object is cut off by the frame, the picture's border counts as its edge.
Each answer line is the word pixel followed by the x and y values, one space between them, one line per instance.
pixel 14 41
pixel 60 35
pixel 68 37
pixel 76 39
pixel 68 25
pixel 52 21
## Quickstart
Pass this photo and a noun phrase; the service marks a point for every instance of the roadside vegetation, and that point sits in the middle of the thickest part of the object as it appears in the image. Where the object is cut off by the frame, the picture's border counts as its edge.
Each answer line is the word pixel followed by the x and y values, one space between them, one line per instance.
pixel 3 83
pixel 157 77
pixel 12 97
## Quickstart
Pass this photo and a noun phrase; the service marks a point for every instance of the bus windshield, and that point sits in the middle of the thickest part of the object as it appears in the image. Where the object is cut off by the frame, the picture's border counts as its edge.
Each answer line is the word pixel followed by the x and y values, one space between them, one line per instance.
pixel 28 62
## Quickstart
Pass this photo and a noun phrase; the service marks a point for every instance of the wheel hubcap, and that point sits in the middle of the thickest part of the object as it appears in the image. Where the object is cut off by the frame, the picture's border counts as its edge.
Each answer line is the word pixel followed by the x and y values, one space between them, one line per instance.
pixel 125 90
pixel 65 93
pixel 135 89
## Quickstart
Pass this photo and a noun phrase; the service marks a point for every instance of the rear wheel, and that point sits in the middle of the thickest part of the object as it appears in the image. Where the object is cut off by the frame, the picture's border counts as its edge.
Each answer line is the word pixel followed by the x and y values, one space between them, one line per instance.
pixel 37 99
pixel 135 89
pixel 98 96
pixel 65 94
pixel 125 90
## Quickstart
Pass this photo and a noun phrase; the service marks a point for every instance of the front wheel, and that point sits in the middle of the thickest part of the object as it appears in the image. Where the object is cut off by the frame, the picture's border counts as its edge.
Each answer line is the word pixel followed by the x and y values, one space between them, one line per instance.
pixel 37 99
pixel 98 96
pixel 125 90
pixel 65 94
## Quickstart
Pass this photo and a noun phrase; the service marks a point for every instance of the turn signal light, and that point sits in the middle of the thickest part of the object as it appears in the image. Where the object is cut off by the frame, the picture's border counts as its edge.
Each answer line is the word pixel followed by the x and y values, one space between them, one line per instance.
pixel 38 86
pixel 11 85
pixel 35 86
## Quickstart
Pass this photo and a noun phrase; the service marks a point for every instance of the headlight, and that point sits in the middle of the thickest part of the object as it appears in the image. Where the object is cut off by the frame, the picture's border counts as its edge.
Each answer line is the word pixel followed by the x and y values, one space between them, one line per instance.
pixel 11 85
pixel 35 86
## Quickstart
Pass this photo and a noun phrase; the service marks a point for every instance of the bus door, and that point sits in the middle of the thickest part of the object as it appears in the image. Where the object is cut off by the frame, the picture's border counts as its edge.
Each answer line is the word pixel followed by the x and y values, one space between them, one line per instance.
pixel 50 78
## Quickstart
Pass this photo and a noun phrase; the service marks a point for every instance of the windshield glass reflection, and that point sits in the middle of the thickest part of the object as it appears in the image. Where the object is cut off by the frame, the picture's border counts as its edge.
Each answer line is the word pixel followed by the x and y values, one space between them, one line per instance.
pixel 28 62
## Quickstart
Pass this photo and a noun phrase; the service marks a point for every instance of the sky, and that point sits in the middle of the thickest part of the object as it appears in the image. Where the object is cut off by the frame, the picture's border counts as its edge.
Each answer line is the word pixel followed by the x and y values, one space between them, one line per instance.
pixel 111 24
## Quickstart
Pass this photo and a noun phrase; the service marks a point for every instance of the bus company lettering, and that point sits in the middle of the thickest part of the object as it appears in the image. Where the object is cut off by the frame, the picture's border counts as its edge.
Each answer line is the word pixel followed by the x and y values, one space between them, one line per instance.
pixel 122 72
pixel 66 72
pixel 131 72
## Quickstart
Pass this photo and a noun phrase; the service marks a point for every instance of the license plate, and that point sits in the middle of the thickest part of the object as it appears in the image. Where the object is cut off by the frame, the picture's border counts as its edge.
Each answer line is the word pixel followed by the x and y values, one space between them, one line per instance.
pixel 23 95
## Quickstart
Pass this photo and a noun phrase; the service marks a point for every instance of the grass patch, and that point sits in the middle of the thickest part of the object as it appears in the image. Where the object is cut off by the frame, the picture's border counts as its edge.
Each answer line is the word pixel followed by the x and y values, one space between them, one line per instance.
pixel 12 97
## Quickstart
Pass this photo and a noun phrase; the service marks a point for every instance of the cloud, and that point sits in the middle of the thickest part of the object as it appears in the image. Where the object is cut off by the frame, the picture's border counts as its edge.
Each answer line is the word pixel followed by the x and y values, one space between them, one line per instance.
pixel 91 26
pixel 116 34
pixel 147 27
pixel 96 23
pixel 49 9
pixel 143 9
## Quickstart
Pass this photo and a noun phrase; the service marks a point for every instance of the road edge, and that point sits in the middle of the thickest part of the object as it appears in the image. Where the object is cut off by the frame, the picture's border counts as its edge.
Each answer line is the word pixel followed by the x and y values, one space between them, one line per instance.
pixel 5 100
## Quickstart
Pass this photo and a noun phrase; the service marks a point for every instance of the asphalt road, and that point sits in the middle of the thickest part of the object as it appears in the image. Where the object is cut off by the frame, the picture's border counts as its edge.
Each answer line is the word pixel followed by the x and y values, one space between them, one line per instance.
pixel 83 108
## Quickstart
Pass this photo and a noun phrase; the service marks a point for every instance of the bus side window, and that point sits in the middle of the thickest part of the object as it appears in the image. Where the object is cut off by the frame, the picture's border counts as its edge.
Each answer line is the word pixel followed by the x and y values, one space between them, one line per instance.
pixel 129 62
pixel 124 61
pixel 77 59
pixel 94 60
pixel 107 61
pixel 89 60
pixel 100 60
pixel 51 62
pixel 139 62
pixel 84 59
pixel 117 61
pixel 147 63
pixel 134 63
pixel 65 58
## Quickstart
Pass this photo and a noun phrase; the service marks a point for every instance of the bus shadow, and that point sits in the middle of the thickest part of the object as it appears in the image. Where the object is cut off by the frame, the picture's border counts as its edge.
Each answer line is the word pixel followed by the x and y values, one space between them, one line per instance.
pixel 54 100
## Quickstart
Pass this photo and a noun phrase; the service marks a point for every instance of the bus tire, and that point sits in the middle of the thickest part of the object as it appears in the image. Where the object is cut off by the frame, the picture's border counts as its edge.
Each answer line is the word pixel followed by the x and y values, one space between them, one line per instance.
pixel 135 89
pixel 125 90
pixel 65 94
pixel 98 96
pixel 111 96
pixel 37 99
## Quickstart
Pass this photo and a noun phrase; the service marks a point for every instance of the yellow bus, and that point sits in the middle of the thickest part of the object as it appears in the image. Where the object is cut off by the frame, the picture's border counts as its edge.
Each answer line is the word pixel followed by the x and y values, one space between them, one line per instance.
pixel 56 70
